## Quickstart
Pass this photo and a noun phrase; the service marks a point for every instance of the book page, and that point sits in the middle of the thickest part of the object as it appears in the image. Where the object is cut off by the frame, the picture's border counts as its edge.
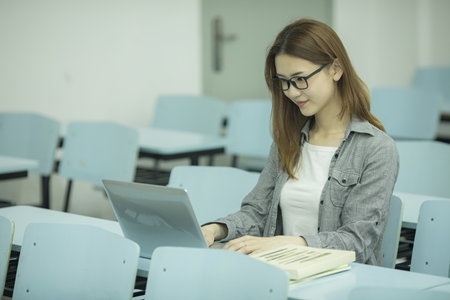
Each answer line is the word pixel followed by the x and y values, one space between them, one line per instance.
pixel 302 261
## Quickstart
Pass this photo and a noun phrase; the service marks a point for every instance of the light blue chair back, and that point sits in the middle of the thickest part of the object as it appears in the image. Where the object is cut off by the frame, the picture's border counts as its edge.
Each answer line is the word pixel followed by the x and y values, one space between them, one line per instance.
pixel 212 274
pixel 6 239
pixel 214 191
pixel 434 78
pixel 249 132
pixel 424 168
pixel 74 261
pixel 431 249
pixel 192 113
pixel 391 237
pixel 32 136
pixel 407 112
pixel 94 151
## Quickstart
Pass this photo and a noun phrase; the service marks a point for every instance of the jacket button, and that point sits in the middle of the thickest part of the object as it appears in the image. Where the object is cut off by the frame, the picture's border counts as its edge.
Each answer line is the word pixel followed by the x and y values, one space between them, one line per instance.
pixel 344 180
pixel 329 177
pixel 321 202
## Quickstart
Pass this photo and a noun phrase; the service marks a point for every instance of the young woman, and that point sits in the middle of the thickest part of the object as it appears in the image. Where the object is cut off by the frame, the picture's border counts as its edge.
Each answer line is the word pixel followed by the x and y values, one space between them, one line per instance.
pixel 331 169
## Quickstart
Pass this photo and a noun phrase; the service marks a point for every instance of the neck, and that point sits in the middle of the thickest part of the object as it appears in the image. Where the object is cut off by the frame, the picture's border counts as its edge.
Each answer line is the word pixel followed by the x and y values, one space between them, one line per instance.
pixel 328 132
pixel 330 125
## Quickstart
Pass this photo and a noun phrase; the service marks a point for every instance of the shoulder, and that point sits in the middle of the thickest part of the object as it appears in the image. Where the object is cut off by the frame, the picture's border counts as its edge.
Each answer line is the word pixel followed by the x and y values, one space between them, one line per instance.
pixel 368 138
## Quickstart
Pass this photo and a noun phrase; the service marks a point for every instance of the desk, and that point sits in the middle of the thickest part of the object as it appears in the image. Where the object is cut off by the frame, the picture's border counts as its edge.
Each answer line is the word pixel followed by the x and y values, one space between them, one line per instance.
pixel 23 215
pixel 15 167
pixel 338 286
pixel 169 144
pixel 411 207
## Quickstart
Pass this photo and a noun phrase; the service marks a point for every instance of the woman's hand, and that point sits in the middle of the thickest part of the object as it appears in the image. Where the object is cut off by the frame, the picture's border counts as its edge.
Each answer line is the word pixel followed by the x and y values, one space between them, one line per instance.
pixel 214 232
pixel 252 244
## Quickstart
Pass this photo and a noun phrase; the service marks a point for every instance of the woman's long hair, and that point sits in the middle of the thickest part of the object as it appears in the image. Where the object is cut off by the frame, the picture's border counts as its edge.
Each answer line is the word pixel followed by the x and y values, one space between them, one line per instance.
pixel 318 43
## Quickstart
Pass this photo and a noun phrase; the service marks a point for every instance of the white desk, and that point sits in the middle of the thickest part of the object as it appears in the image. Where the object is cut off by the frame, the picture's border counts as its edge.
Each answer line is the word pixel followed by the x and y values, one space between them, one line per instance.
pixel 23 215
pixel 170 144
pixel 411 207
pixel 15 167
pixel 338 286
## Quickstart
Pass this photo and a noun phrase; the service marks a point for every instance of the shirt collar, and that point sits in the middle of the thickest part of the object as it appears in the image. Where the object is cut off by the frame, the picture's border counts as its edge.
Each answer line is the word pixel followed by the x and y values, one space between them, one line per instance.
pixel 355 125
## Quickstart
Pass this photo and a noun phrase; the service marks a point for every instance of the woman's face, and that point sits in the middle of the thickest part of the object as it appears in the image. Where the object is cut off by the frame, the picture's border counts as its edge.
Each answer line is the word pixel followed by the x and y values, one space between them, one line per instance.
pixel 321 93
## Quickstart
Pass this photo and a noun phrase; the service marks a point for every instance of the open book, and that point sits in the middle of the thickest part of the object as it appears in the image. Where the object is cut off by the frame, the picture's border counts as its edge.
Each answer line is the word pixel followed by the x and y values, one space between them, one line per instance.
pixel 304 263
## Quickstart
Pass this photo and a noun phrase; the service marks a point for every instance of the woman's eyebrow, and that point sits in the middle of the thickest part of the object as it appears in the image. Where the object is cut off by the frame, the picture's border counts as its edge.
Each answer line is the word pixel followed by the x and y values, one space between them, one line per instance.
pixel 291 75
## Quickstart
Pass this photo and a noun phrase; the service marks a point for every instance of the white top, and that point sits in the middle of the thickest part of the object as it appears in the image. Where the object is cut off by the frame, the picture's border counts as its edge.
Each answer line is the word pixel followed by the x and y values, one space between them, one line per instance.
pixel 300 197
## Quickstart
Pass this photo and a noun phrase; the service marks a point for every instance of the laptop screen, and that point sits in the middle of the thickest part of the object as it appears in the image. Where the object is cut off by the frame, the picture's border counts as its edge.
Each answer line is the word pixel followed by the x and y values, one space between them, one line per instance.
pixel 154 215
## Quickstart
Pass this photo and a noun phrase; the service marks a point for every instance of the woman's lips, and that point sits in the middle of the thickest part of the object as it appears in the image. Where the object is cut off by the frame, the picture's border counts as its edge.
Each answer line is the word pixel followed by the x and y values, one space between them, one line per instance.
pixel 301 103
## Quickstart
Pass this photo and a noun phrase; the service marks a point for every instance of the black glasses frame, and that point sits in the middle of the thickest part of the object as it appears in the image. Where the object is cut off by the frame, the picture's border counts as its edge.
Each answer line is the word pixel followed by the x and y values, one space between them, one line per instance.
pixel 298 78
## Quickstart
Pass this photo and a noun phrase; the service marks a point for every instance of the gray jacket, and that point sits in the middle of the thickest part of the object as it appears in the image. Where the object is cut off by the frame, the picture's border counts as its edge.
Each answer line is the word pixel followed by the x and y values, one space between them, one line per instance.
pixel 354 203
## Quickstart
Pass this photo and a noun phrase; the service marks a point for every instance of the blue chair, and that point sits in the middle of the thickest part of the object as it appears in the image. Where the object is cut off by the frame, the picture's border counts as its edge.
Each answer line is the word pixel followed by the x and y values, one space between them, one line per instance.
pixel 436 79
pixel 401 110
pixel 32 136
pixel 6 239
pixel 212 274
pixel 214 191
pixel 193 113
pixel 74 261
pixel 249 133
pixel 424 168
pixel 391 237
pixel 94 151
pixel 431 249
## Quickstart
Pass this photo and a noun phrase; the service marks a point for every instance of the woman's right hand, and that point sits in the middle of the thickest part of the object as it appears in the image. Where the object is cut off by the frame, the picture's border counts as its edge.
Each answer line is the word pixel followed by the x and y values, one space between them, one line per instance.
pixel 214 232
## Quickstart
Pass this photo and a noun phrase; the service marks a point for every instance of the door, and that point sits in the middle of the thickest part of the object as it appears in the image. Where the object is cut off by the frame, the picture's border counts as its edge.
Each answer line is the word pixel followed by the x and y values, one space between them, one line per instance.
pixel 236 35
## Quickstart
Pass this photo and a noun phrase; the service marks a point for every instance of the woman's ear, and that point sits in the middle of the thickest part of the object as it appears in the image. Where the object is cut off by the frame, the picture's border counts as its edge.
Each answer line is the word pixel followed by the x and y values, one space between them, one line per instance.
pixel 336 70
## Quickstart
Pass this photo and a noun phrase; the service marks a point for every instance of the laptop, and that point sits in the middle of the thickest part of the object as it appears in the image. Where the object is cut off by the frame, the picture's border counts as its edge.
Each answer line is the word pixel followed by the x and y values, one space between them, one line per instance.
pixel 153 216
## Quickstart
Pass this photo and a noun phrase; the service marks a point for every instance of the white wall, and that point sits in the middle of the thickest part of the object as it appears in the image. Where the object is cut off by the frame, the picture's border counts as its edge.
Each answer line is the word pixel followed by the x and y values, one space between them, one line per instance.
pixel 93 60
pixel 387 40
pixel 97 59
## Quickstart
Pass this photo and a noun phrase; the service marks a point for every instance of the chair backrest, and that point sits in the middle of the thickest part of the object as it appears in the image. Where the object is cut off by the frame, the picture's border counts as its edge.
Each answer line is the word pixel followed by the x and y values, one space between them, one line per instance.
pixel 391 235
pixel 401 111
pixel 212 274
pixel 395 293
pixel 424 168
pixel 199 114
pixel 32 136
pixel 93 151
pixel 249 129
pixel 431 249
pixel 214 191
pixel 434 78
pixel 6 239
pixel 74 261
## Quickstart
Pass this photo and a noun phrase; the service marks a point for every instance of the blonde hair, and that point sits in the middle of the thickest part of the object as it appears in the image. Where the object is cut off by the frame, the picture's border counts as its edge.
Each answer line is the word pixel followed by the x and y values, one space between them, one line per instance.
pixel 318 43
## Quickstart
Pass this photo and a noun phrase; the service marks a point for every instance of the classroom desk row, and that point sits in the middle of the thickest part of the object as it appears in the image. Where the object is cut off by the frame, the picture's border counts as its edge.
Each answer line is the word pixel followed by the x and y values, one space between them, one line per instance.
pixel 335 286
pixel 167 144
pixel 170 144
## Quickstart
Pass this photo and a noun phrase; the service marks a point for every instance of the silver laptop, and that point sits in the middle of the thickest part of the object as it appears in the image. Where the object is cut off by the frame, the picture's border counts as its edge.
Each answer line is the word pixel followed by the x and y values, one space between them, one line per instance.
pixel 154 215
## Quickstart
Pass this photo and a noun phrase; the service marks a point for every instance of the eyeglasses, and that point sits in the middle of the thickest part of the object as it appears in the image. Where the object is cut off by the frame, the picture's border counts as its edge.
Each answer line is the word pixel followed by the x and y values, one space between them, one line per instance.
pixel 299 82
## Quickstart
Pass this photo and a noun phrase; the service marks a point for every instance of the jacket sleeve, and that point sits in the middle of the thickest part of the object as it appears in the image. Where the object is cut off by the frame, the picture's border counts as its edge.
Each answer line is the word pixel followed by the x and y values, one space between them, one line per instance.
pixel 252 216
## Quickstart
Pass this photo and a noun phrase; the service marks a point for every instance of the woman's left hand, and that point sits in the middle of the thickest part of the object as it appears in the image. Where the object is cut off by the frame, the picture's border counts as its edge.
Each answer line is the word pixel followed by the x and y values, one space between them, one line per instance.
pixel 253 244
